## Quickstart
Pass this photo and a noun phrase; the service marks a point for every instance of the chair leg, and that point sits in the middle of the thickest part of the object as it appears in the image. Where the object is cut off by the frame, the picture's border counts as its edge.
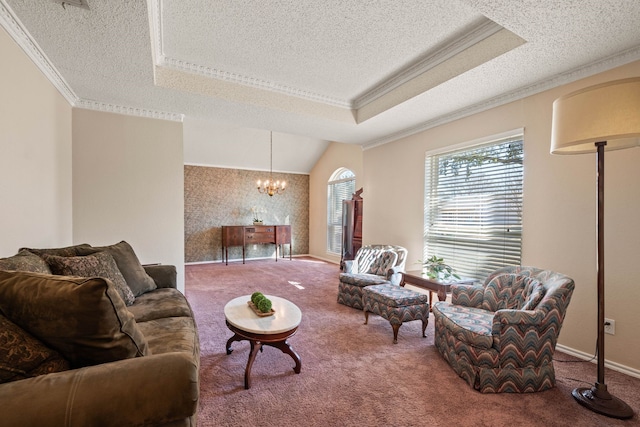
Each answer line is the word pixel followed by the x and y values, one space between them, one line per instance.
pixel 366 317
pixel 425 322
pixel 395 332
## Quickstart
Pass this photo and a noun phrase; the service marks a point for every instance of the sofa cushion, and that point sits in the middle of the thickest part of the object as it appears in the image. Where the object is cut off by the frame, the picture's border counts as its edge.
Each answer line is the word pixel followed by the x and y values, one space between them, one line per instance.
pixel 467 324
pixel 84 319
pixel 65 251
pixel 172 334
pixel 394 295
pixel 134 274
pixel 22 356
pixel 512 291
pixel 25 261
pixel 99 264
pixel 161 303
pixel 362 280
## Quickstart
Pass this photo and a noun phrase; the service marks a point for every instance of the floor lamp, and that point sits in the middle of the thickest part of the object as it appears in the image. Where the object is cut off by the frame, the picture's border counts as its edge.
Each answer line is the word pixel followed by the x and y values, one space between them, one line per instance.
pixel 595 119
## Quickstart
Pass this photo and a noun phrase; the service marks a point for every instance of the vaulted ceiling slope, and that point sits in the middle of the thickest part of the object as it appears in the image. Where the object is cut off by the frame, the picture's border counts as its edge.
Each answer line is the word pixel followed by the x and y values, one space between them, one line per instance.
pixel 355 71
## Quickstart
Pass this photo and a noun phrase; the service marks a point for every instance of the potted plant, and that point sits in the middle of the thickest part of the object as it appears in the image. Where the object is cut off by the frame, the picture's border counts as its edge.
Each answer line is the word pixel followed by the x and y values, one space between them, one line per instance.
pixel 256 215
pixel 436 269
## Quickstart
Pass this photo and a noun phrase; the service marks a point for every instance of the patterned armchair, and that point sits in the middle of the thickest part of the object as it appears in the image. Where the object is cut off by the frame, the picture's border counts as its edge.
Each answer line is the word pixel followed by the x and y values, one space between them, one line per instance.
pixel 500 336
pixel 372 265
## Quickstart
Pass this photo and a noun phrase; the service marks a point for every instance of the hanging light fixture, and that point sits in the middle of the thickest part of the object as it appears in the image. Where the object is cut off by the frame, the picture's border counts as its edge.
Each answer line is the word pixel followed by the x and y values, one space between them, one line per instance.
pixel 270 186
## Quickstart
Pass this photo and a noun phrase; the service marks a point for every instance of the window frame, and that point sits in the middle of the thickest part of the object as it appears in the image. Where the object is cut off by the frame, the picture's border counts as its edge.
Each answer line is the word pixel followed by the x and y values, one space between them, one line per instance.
pixel 484 226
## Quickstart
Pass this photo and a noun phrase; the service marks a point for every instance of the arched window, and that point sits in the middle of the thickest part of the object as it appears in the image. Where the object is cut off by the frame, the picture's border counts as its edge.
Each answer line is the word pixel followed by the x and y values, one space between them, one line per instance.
pixel 341 186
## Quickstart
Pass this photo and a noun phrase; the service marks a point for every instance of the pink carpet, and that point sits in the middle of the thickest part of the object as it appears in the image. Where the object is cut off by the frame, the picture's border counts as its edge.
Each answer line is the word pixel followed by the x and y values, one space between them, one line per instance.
pixel 352 374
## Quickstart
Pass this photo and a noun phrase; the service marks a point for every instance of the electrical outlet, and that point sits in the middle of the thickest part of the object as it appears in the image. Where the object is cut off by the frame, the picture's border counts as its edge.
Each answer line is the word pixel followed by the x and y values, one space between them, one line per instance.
pixel 609 326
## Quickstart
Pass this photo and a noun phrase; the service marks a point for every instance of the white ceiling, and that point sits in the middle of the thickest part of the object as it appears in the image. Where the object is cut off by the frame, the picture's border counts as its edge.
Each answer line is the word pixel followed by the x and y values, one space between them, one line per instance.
pixel 354 71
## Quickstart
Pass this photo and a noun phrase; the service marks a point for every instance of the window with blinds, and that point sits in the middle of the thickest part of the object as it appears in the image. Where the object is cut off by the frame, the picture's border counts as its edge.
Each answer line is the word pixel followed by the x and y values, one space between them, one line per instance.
pixel 473 207
pixel 341 186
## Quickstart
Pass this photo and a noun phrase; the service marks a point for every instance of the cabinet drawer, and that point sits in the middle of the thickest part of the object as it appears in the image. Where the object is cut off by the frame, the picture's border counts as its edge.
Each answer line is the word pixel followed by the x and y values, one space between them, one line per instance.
pixel 259 237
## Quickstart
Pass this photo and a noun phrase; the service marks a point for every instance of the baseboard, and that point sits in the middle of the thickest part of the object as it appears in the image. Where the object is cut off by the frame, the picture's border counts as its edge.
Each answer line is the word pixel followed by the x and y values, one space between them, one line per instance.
pixel 611 365
pixel 240 259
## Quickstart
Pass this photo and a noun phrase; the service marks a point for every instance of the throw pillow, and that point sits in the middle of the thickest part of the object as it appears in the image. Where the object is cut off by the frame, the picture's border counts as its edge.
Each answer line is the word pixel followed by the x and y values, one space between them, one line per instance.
pixel 100 264
pixel 134 274
pixel 22 356
pixel 84 319
pixel 66 251
pixel 25 261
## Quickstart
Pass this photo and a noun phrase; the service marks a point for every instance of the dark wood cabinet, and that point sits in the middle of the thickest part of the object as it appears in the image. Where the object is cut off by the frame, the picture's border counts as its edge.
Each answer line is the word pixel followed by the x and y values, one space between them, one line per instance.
pixel 241 235
pixel 351 227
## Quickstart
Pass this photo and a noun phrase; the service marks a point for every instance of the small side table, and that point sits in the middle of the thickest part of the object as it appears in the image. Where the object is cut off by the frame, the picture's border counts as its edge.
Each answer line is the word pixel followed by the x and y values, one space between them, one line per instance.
pixel 270 330
pixel 420 280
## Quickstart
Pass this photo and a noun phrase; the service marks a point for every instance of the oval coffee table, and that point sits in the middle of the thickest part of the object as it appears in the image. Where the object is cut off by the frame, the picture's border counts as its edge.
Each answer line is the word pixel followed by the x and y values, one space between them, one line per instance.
pixel 269 330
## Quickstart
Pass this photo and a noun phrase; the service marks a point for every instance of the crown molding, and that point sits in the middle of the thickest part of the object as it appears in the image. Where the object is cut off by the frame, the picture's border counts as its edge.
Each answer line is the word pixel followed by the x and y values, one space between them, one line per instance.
pixel 482 31
pixel 162 60
pixel 129 111
pixel 613 61
pixel 22 37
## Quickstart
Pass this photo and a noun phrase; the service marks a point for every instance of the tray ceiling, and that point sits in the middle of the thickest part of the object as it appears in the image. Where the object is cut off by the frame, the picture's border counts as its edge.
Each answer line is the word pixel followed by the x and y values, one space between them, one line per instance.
pixel 364 72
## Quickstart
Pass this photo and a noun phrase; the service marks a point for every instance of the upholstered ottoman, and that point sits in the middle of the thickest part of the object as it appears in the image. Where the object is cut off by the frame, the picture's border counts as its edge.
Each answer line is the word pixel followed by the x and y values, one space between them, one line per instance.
pixel 396 304
pixel 351 286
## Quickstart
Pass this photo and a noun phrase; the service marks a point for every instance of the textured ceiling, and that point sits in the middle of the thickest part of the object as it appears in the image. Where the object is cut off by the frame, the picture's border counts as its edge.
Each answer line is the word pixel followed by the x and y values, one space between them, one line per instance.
pixel 355 71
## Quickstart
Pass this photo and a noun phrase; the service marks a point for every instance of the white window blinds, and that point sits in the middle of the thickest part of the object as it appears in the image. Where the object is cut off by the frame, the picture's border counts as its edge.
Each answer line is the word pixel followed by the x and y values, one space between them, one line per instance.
pixel 340 187
pixel 473 207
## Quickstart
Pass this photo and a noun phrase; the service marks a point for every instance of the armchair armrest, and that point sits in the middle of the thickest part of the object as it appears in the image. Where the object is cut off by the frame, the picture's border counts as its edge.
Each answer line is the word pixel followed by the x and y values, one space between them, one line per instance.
pixel 350 266
pixel 165 276
pixel 540 335
pixel 394 275
pixel 467 295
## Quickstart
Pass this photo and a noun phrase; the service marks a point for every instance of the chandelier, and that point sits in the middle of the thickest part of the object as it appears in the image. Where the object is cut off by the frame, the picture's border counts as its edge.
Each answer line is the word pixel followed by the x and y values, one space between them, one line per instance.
pixel 270 186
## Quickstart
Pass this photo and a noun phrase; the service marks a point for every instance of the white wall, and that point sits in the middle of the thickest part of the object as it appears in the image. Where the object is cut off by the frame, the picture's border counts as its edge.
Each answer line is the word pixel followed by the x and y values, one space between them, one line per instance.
pixel 35 156
pixel 128 184
pixel 227 146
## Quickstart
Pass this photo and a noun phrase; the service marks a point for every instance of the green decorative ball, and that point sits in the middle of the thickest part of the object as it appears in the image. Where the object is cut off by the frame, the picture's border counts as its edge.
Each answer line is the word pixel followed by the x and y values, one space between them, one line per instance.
pixel 255 297
pixel 264 305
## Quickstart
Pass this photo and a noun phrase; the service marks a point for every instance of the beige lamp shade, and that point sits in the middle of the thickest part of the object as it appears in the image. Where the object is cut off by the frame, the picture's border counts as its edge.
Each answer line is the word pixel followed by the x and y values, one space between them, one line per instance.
pixel 606 112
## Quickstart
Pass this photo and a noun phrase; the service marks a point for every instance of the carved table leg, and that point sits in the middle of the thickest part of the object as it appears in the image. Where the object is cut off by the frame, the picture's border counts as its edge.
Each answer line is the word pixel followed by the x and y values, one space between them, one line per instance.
pixel 255 346
pixel 285 347
pixel 231 340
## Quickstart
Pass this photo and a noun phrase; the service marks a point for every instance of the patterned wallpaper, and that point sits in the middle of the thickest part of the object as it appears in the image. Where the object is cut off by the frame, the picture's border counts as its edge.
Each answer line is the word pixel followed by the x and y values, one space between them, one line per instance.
pixel 214 197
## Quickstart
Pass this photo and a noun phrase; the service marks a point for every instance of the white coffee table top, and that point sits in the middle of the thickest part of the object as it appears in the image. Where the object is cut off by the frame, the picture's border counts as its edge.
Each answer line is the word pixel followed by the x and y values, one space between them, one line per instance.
pixel 286 317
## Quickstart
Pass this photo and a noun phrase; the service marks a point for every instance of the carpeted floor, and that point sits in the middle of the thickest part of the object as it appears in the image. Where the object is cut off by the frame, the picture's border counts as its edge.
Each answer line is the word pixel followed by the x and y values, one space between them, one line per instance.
pixel 352 374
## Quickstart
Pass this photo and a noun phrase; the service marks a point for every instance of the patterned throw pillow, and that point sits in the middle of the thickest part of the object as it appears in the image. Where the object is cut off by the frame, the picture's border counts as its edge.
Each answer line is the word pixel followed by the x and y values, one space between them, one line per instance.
pixel 25 261
pixel 99 264
pixel 22 356
pixel 134 274
pixel 66 251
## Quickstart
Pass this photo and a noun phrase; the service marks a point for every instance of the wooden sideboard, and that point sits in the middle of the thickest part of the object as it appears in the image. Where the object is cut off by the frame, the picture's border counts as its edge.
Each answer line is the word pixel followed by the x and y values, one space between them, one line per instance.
pixel 243 235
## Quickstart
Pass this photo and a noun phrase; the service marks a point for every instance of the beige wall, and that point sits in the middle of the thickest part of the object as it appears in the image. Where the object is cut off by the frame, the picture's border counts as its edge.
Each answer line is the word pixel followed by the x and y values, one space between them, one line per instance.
pixel 35 159
pixel 336 156
pixel 128 185
pixel 559 211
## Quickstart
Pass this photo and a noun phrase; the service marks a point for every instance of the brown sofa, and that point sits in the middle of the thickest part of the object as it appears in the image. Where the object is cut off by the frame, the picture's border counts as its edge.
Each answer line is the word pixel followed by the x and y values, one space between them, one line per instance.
pixel 73 353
